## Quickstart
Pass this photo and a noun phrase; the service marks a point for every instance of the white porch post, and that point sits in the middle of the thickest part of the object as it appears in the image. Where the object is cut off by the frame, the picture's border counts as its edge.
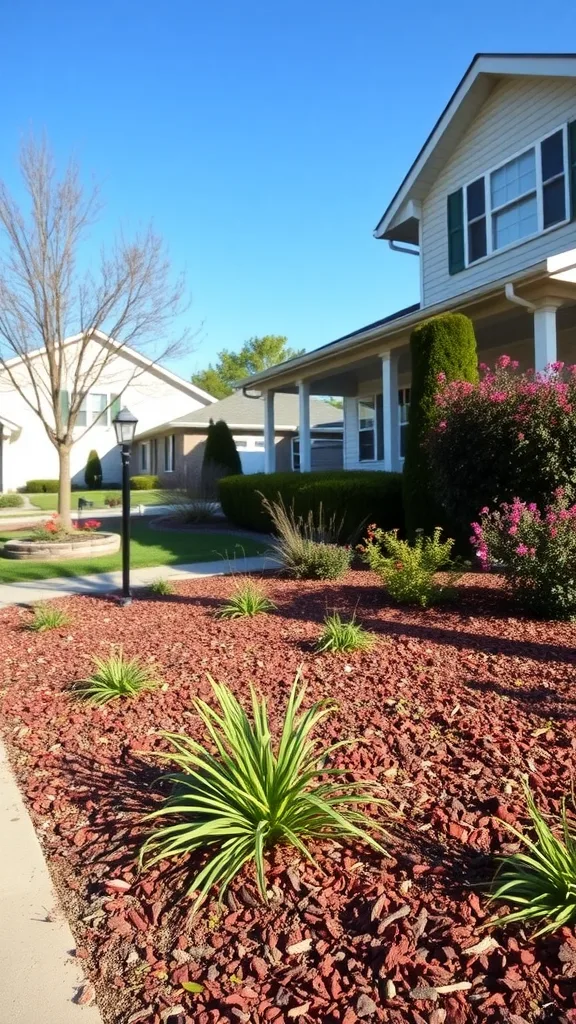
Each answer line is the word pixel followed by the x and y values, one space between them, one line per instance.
pixel 304 426
pixel 545 347
pixel 269 434
pixel 390 409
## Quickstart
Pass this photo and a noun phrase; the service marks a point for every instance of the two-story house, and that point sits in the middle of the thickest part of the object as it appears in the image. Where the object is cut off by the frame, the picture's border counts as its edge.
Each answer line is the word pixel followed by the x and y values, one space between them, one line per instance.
pixel 489 208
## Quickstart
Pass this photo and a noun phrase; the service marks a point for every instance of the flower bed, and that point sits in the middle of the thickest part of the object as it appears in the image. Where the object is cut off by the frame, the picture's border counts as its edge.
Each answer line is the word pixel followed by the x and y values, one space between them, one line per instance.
pixel 452 705
pixel 75 545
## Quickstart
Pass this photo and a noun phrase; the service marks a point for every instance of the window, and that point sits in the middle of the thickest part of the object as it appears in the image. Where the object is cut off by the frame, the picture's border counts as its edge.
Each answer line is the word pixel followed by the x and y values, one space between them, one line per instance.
pixel 403 412
pixel 367 430
pixel 145 457
pixel 296 454
pixel 516 200
pixel 370 429
pixel 169 449
pixel 93 409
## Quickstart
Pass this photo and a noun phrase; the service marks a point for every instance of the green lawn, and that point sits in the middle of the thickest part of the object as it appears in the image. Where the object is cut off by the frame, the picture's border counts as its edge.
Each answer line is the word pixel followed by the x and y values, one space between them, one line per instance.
pixel 148 547
pixel 49 502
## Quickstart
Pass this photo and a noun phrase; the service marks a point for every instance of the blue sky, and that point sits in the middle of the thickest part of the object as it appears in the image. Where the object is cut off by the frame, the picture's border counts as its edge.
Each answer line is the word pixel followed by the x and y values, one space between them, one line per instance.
pixel 264 139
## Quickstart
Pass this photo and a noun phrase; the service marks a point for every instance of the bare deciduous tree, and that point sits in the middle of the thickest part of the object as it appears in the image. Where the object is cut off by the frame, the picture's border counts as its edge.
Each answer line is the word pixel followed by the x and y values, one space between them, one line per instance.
pixel 57 296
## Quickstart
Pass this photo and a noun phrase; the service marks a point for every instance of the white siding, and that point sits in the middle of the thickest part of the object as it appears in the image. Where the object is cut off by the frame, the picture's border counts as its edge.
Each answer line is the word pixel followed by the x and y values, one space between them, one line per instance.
pixel 517 112
pixel 30 454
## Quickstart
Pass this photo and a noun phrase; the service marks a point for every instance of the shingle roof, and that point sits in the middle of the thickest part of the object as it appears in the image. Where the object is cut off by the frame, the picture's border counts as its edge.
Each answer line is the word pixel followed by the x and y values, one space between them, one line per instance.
pixel 241 412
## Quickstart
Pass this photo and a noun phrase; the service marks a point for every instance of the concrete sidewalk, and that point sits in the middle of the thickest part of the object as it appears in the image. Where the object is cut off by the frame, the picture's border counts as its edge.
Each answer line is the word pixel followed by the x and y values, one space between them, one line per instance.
pixel 39 977
pixel 107 582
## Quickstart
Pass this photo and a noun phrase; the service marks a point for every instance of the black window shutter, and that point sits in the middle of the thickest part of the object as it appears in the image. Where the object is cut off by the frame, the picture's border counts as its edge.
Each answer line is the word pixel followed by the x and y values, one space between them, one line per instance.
pixel 379 427
pixel 572 166
pixel 455 208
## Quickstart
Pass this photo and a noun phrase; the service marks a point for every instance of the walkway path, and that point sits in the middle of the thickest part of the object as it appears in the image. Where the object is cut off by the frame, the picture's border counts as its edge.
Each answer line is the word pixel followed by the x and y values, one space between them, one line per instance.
pixel 106 582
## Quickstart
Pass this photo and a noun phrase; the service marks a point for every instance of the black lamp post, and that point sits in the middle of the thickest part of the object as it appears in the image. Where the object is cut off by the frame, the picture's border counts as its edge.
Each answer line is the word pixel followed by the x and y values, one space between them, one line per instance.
pixel 125 427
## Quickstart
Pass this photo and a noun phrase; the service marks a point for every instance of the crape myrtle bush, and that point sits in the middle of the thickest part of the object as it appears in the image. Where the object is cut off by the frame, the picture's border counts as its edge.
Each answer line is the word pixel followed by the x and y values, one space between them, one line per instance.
pixel 511 435
pixel 355 497
pixel 536 549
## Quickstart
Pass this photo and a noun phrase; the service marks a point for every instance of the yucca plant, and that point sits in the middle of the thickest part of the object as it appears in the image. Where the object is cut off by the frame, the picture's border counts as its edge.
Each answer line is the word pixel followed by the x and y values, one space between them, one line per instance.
pixel 541 882
pixel 343 636
pixel 161 586
pixel 247 600
pixel 47 617
pixel 250 794
pixel 116 676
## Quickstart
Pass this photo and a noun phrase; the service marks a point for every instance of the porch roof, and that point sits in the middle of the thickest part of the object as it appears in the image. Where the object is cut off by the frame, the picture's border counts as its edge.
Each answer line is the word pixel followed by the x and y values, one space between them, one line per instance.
pixel 8 427
pixel 555 275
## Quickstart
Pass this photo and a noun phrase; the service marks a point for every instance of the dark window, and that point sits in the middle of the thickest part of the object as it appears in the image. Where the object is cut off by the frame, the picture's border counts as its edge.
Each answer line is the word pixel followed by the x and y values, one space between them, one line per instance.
pixel 554 202
pixel 476 215
pixel 380 426
pixel 476 199
pixel 366 445
pixel 553 156
pixel 476 240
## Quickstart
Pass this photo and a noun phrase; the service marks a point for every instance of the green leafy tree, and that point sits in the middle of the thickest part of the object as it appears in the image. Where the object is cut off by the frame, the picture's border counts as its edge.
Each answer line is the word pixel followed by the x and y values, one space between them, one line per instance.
pixel 93 471
pixel 220 453
pixel 256 354
pixel 443 345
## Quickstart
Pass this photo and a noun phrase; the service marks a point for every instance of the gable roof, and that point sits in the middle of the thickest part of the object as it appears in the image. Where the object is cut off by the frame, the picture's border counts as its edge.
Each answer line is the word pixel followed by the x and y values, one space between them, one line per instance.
pixel 400 220
pixel 134 356
pixel 242 413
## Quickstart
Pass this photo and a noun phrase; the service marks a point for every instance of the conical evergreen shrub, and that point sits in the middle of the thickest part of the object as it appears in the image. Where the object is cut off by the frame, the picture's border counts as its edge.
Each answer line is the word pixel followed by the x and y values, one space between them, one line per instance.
pixel 444 344
pixel 93 471
pixel 221 456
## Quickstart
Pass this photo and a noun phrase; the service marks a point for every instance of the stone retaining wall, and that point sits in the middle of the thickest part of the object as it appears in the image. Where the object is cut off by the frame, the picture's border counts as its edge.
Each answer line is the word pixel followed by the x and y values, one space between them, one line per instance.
pixel 90 546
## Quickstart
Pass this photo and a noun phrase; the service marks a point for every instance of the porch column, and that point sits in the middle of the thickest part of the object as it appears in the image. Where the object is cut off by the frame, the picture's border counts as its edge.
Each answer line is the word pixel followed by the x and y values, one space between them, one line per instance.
pixel 545 348
pixel 304 426
pixel 269 433
pixel 390 409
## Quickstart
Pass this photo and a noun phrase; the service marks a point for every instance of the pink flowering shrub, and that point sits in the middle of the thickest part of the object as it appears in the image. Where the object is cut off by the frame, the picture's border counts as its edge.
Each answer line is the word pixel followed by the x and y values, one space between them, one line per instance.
pixel 537 550
pixel 511 434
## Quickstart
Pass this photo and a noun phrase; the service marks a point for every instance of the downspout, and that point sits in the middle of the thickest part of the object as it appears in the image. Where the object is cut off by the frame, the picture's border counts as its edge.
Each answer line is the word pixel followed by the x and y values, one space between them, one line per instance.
pixel 402 248
pixel 517 299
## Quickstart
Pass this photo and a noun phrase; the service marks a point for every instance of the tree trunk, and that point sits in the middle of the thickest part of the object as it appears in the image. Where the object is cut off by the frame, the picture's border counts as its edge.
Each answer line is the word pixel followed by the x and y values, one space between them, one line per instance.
pixel 64 495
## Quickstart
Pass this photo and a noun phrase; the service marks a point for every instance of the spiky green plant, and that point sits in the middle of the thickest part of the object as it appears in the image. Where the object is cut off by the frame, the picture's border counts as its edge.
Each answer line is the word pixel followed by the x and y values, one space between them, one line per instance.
pixel 251 793
pixel 161 586
pixel 247 600
pixel 343 636
pixel 542 880
pixel 116 676
pixel 47 617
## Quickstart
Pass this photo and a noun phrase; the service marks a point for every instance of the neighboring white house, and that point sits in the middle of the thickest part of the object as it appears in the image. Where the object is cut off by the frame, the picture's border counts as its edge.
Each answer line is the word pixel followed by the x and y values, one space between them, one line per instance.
pixel 488 207
pixel 151 392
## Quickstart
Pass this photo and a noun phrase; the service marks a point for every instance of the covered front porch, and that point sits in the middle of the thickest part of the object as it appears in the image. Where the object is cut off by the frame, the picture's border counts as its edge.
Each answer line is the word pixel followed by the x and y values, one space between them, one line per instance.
pixel 534 322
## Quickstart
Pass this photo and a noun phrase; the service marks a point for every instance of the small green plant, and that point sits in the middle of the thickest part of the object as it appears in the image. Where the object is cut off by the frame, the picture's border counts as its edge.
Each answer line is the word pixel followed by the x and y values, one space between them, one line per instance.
pixel 161 586
pixel 343 636
pixel 11 501
pixel 408 570
pixel 542 880
pixel 116 676
pixel 47 617
pixel 247 600
pixel 251 794
pixel 307 546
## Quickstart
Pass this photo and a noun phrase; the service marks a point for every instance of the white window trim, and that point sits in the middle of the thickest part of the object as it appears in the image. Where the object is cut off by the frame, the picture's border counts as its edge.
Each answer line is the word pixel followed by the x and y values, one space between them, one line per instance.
pixel 359 402
pixel 145 448
pixel 400 422
pixel 103 419
pixel 536 145
pixel 169 450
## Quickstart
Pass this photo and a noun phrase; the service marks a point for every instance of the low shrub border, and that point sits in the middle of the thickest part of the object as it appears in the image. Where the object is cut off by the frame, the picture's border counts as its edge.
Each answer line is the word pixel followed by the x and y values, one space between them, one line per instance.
pixel 356 497
pixel 42 487
pixel 144 482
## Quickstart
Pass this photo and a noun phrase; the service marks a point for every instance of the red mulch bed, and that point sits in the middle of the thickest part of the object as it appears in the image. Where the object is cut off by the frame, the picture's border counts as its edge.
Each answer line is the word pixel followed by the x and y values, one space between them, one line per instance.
pixel 453 705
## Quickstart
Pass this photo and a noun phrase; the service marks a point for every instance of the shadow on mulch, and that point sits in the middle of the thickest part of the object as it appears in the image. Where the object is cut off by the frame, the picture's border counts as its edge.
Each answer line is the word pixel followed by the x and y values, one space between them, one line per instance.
pixel 543 702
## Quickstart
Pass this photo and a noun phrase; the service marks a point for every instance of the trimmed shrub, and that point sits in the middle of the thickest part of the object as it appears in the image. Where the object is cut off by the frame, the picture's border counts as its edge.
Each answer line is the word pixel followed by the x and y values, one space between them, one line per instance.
pixel 42 486
pixel 509 436
pixel 220 451
pixel 11 500
pixel 93 472
pixel 441 348
pixel 351 497
pixel 146 482
pixel 408 571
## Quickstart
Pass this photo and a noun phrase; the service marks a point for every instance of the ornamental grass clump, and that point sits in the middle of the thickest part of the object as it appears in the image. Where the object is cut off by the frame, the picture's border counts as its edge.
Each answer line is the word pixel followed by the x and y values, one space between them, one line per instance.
pixel 536 551
pixel 541 881
pixel 307 545
pixel 247 600
pixel 247 793
pixel 408 571
pixel 47 617
pixel 116 676
pixel 343 636
pixel 162 587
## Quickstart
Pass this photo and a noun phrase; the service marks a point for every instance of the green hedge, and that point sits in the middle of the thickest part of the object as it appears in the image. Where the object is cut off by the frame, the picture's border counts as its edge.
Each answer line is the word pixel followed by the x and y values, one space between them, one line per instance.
pixel 42 486
pixel 144 483
pixel 11 500
pixel 357 497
